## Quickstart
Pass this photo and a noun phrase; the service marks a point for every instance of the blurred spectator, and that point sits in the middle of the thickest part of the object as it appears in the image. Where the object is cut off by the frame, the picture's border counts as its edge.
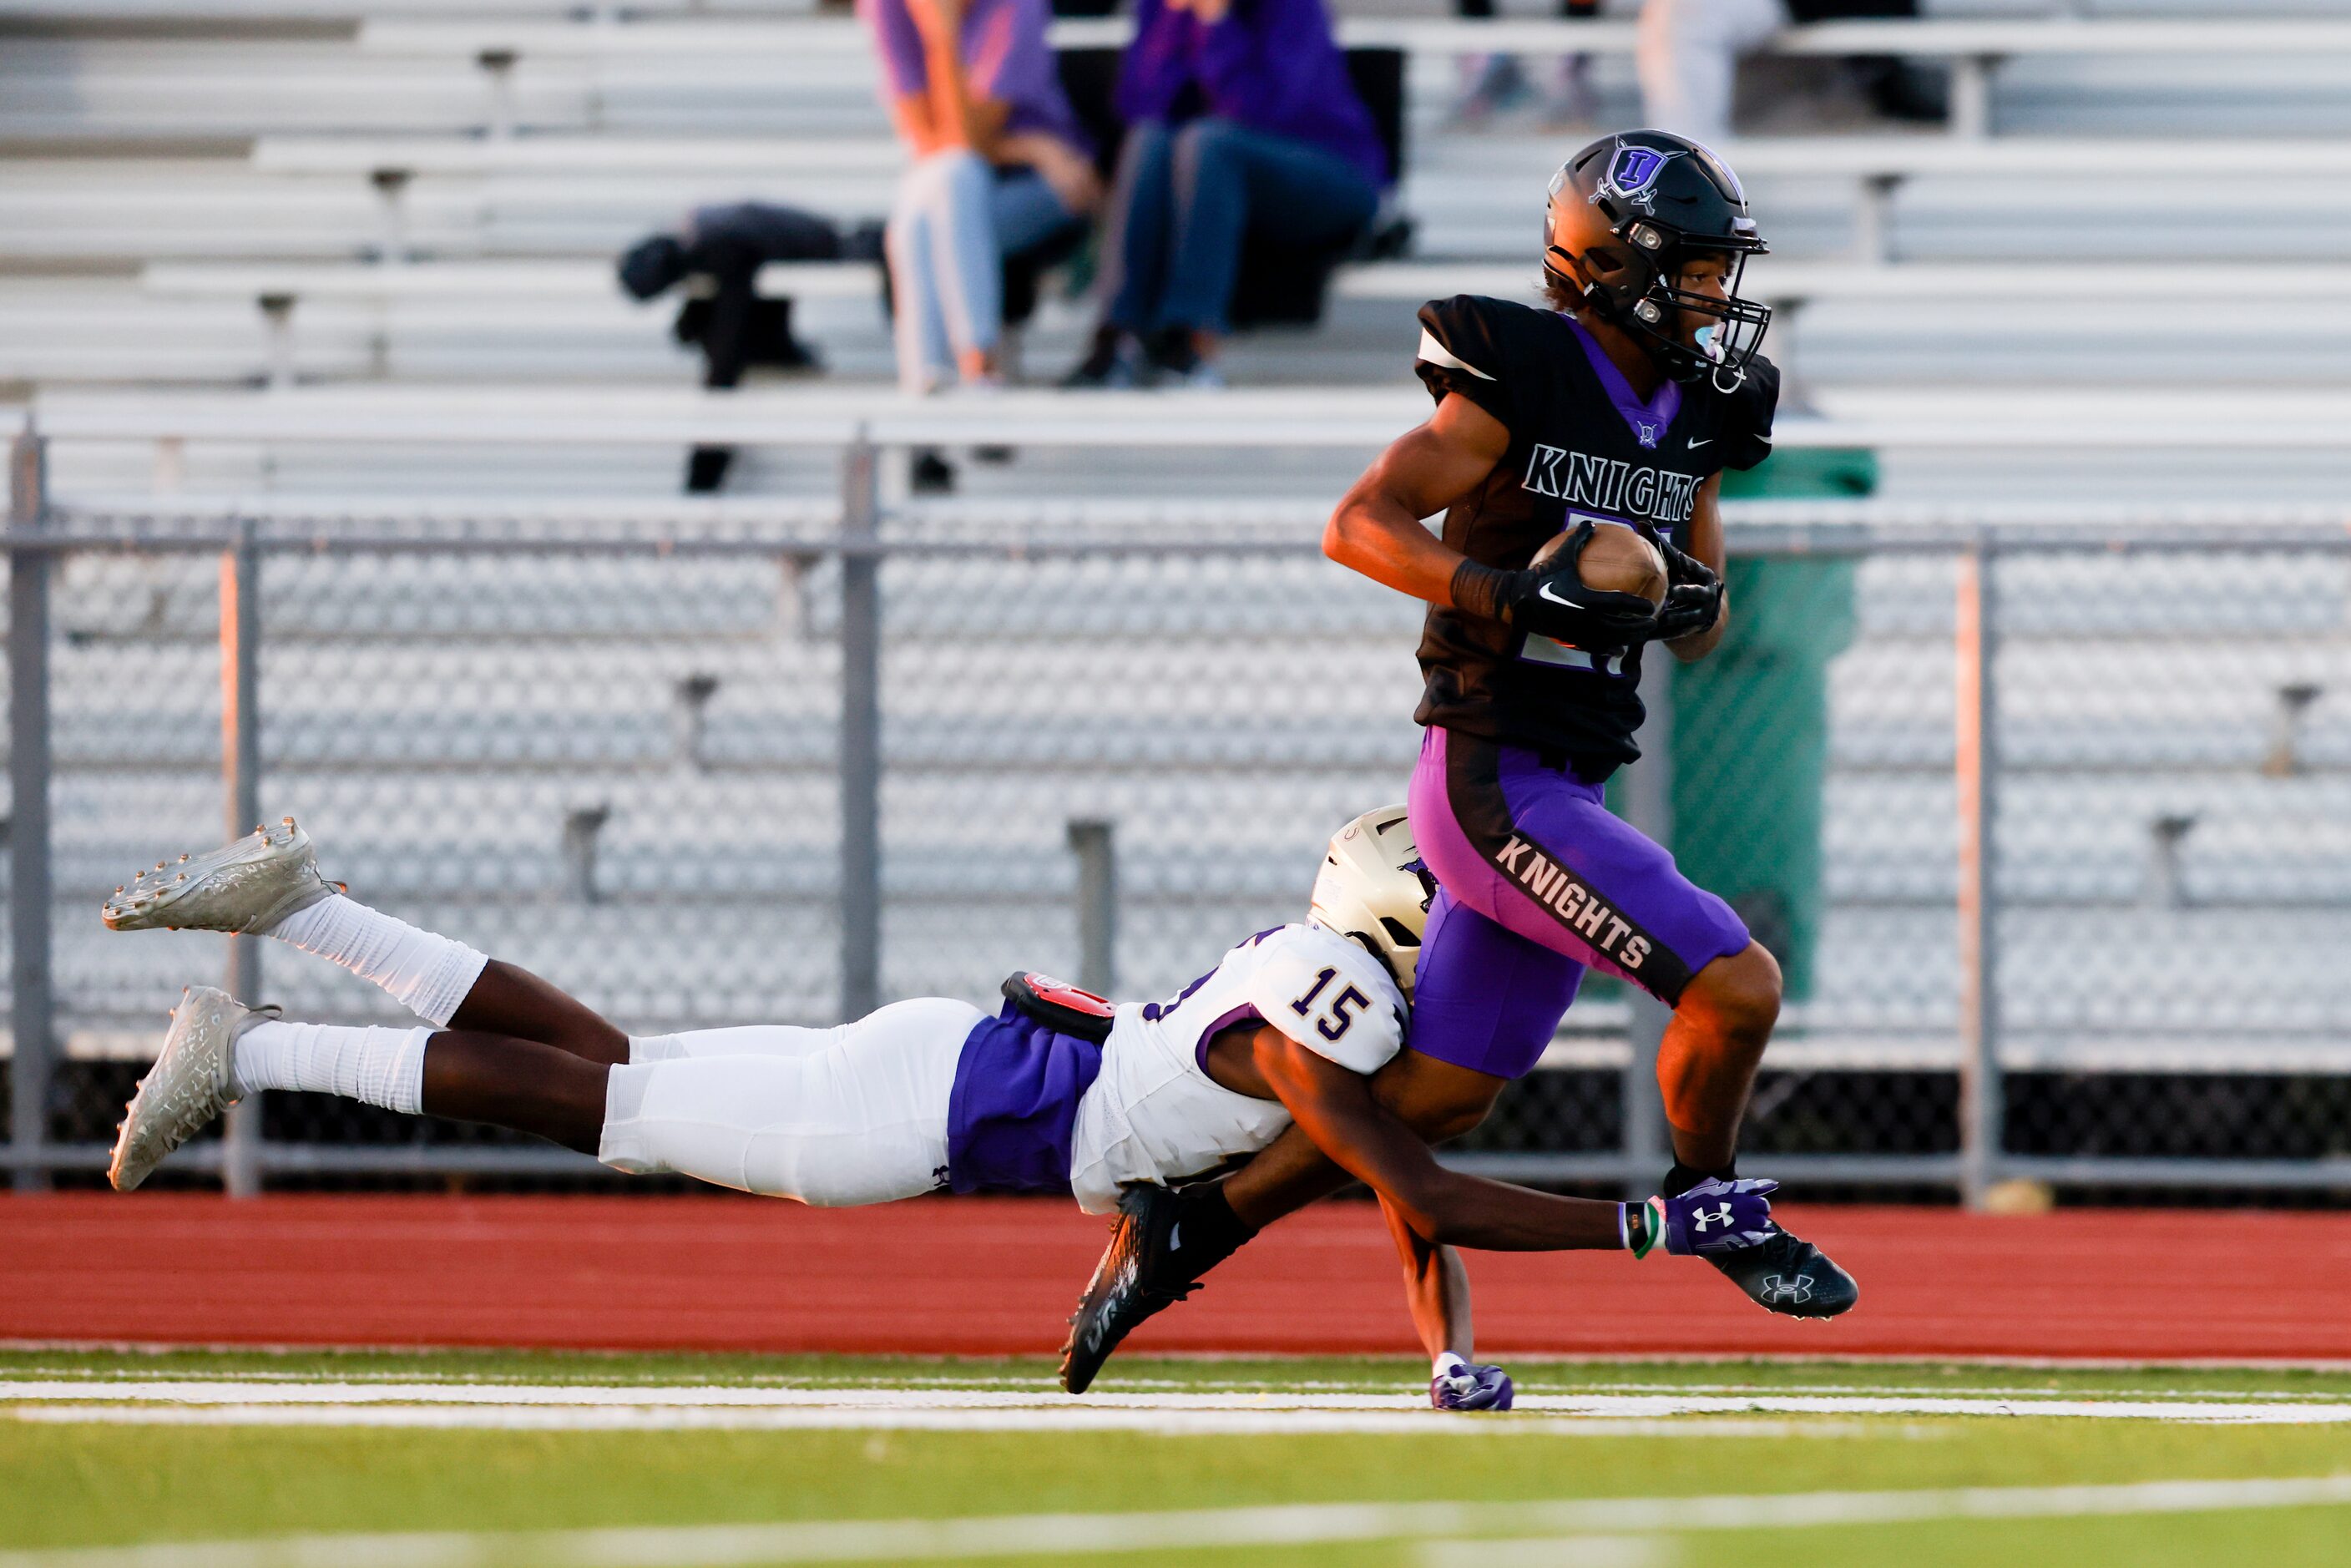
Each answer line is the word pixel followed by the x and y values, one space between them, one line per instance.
pixel 1493 83
pixel 735 327
pixel 1241 118
pixel 1689 50
pixel 1001 168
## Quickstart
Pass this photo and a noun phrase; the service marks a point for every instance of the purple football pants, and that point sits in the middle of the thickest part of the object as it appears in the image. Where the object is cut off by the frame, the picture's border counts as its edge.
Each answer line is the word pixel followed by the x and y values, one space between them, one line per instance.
pixel 1538 882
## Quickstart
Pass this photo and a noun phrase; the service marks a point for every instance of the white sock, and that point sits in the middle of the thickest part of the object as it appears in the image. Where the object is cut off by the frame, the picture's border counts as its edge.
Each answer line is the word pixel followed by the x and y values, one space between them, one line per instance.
pixel 380 1066
pixel 426 974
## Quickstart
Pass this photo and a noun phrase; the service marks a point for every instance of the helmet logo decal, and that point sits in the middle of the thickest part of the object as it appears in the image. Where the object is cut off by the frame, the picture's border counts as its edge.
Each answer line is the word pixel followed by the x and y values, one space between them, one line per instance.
pixel 1633 176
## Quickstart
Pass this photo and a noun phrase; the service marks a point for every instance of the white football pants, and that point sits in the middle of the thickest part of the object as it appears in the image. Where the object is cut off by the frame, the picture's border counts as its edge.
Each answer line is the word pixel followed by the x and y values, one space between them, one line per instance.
pixel 833 1117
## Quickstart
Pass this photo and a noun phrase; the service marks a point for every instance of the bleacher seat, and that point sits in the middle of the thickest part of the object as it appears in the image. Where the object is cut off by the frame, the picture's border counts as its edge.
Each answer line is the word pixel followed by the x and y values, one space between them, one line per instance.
pixel 309 158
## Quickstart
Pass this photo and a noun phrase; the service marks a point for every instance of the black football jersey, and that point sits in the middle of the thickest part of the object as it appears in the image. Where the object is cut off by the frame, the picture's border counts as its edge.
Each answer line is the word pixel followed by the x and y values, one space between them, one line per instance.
pixel 1583 444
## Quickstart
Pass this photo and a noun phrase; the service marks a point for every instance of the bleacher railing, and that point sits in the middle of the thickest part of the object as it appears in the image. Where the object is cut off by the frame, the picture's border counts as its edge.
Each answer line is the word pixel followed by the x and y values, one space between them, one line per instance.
pixel 2048 821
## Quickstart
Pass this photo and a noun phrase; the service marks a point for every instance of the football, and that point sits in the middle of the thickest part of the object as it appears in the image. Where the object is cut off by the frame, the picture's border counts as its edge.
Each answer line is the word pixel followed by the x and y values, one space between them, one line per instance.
pixel 1617 560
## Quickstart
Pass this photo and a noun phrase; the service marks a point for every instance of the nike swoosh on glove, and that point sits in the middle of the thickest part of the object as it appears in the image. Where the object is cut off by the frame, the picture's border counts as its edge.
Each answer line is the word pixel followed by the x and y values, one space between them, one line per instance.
pixel 1553 602
pixel 1472 1388
pixel 1717 1216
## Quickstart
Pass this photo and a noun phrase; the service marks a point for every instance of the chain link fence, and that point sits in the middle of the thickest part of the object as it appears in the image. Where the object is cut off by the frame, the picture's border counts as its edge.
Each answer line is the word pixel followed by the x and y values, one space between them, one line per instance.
pixel 779 766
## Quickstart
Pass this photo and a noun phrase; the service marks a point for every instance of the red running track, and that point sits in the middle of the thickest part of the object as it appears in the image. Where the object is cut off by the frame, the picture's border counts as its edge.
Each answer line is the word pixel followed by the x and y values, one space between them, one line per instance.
pixel 998 1276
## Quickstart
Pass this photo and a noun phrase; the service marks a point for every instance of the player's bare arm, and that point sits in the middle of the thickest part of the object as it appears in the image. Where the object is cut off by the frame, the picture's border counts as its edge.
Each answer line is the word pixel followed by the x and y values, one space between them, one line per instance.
pixel 1437 1281
pixel 1336 1109
pixel 1437 1100
pixel 1377 528
pixel 1436 1291
pixel 1436 1288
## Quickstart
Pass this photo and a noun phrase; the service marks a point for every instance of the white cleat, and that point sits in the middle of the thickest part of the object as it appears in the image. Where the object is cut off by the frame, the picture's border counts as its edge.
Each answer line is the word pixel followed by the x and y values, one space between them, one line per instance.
pixel 187 1087
pixel 249 886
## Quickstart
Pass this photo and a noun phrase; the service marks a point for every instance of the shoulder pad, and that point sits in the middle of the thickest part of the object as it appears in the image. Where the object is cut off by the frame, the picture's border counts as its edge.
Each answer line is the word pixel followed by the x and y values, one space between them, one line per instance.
pixel 1471 333
pixel 1760 392
pixel 1747 422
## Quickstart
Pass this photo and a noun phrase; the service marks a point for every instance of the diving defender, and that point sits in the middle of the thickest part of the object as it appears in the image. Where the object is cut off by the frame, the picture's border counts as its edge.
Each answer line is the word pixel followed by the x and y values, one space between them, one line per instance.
pixel 1058 1091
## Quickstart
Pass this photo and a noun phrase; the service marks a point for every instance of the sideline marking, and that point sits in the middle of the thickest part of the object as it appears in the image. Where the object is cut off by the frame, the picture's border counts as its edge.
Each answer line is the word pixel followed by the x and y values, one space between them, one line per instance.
pixel 211 1402
pixel 891 1540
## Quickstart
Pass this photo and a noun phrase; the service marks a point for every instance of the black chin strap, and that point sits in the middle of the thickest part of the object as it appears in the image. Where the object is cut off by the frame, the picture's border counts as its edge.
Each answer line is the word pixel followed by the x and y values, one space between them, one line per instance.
pixel 1600 301
pixel 1573 284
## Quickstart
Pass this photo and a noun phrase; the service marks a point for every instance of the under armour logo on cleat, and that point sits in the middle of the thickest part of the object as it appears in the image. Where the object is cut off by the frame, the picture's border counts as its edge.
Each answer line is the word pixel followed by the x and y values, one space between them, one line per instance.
pixel 1777 1288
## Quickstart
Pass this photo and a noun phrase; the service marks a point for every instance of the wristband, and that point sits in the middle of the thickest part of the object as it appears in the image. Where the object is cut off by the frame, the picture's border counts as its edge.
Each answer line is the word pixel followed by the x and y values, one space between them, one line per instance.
pixel 1478 590
pixel 1646 1225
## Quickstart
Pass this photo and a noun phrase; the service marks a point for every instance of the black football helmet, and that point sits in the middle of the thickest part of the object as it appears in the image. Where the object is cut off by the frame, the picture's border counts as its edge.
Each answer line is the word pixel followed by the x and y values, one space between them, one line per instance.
pixel 1637 206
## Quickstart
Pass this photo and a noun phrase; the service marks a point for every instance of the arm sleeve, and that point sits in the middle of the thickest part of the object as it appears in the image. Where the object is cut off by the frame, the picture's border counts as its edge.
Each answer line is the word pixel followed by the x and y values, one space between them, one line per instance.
pixel 1014 65
pixel 1155 66
pixel 1252 63
pixel 1461 353
pixel 1747 423
pixel 900 44
pixel 1343 1018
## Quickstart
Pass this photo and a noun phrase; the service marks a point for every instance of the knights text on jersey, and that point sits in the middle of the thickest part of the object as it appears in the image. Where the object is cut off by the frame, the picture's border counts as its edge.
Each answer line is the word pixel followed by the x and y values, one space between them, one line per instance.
pixel 1583 444
pixel 1154 1115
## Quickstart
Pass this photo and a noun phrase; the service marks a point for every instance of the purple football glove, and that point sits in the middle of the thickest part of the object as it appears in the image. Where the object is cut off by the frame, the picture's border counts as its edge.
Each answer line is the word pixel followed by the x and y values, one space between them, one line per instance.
pixel 1715 1215
pixel 1471 1387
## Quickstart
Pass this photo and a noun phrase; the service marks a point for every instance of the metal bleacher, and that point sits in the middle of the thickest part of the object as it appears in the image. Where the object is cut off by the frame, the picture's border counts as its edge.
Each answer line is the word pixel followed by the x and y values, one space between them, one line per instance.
pixel 296 161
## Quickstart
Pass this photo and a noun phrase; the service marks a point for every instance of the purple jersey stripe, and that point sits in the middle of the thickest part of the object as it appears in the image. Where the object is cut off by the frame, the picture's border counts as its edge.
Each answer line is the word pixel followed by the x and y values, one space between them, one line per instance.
pixel 1208 1035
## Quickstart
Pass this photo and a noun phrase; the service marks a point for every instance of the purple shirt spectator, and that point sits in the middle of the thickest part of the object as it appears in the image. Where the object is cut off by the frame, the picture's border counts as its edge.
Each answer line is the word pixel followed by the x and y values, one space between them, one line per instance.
pixel 1006 61
pixel 1270 65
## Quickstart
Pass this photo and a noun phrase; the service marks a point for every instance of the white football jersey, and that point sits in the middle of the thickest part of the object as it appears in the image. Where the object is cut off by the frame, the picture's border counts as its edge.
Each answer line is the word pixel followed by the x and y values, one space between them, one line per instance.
pixel 1154 1114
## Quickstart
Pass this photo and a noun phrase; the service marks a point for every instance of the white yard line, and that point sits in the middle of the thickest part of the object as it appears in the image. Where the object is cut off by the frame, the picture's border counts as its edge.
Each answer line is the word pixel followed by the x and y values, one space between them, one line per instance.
pixel 554 1406
pixel 1072 1416
pixel 1028 1535
pixel 1552 1551
pixel 1036 1383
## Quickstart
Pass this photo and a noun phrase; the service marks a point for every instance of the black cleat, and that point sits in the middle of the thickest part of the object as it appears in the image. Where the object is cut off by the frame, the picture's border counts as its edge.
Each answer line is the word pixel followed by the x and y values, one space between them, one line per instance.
pixel 1118 1298
pixel 1155 1258
pixel 1792 1278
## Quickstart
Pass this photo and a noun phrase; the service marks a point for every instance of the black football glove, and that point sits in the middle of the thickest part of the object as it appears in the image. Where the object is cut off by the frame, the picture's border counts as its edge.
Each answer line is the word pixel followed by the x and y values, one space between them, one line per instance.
pixel 1551 601
pixel 1693 594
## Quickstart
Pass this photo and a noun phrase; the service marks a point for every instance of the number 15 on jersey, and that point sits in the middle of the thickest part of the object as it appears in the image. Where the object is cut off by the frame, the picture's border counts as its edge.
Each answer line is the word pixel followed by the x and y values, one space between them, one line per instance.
pixel 1339 1014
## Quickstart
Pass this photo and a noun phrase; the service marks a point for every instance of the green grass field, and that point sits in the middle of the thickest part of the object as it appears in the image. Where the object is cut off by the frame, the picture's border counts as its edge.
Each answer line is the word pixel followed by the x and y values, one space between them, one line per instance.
pixel 843 1458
